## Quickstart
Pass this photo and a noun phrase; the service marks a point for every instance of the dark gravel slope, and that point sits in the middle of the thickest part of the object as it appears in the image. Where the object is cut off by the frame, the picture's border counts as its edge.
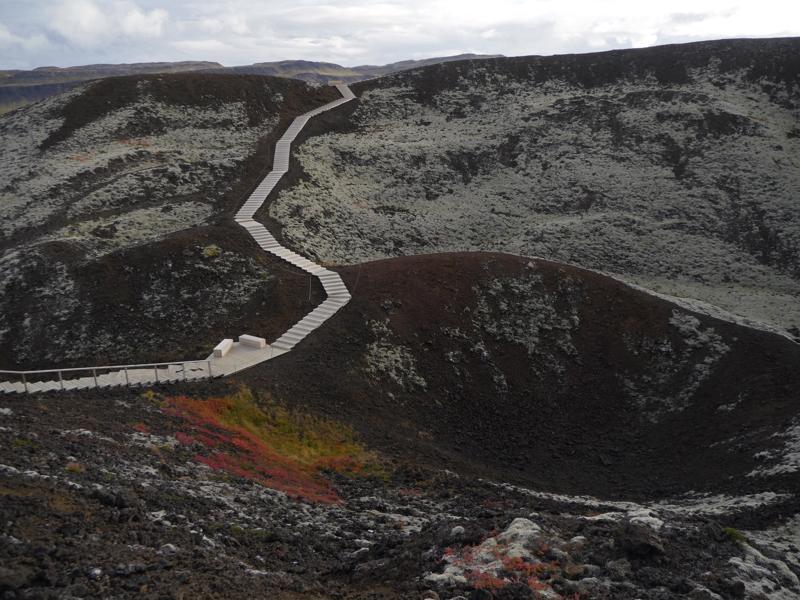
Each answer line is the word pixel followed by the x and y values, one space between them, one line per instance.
pixel 548 375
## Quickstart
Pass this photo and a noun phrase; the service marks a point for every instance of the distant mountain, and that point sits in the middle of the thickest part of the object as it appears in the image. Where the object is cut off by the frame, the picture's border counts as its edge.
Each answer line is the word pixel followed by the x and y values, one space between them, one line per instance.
pixel 18 88
pixel 82 73
pixel 324 73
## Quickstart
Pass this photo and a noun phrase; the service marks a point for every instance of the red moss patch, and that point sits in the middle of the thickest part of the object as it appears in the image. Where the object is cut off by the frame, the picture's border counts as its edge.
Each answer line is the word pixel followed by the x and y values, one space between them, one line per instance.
pixel 272 446
pixel 141 428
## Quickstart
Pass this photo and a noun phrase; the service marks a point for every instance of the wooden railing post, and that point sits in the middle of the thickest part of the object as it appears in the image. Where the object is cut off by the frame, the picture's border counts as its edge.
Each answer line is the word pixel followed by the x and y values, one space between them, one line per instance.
pixel 25 383
pixel 94 374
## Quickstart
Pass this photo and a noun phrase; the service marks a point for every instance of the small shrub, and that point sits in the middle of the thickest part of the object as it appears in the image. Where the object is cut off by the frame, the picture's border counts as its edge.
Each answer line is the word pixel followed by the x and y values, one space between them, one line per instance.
pixel 151 396
pixel 24 443
pixel 485 581
pixel 735 535
pixel 75 467
pixel 211 251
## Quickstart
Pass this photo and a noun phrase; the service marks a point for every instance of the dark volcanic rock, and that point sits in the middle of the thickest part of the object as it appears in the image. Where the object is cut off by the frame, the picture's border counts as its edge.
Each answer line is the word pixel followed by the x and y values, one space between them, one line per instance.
pixel 637 539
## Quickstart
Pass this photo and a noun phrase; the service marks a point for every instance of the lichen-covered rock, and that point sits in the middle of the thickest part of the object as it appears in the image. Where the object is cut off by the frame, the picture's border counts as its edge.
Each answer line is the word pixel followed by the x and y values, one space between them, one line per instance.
pixel 685 185
pixel 387 357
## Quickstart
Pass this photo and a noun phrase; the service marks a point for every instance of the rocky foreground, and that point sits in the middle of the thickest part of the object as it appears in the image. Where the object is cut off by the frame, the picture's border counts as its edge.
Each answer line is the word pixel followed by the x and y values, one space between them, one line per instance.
pixel 147 495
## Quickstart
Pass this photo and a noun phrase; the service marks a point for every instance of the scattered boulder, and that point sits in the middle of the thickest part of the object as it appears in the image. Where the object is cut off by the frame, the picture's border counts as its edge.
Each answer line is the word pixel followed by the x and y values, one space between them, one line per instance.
pixel 457 532
pixel 168 549
pixel 638 539
pixel 619 569
pixel 16 577
pixel 116 499
pixel 360 553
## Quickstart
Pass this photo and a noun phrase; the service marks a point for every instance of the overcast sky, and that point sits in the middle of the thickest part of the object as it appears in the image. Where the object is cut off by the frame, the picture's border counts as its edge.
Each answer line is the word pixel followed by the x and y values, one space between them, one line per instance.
pixel 234 32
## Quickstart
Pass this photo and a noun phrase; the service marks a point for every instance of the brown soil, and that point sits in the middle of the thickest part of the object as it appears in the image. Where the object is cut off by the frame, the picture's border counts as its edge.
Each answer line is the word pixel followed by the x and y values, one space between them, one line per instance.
pixel 577 432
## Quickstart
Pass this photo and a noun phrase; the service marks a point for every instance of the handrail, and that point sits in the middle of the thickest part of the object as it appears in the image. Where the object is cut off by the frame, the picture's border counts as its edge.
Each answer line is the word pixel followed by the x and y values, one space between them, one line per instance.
pixel 133 366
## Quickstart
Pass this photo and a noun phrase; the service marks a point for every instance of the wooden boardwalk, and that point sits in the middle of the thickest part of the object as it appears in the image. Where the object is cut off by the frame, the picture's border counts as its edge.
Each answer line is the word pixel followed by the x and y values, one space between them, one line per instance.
pixel 240 356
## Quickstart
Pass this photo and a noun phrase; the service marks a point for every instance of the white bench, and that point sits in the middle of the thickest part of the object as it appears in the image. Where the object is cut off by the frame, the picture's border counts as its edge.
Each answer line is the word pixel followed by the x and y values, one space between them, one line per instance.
pixel 252 341
pixel 223 348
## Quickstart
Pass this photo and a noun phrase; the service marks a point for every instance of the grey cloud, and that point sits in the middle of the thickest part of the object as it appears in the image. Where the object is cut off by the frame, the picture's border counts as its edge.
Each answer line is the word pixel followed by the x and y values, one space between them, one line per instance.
pixel 69 32
pixel 682 18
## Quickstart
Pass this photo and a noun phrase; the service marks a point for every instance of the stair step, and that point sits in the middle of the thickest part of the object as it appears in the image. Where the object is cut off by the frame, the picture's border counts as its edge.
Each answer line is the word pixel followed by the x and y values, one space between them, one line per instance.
pixel 300 327
pixel 288 339
pixel 328 304
pixel 291 334
pixel 341 299
pixel 315 320
pixel 303 264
